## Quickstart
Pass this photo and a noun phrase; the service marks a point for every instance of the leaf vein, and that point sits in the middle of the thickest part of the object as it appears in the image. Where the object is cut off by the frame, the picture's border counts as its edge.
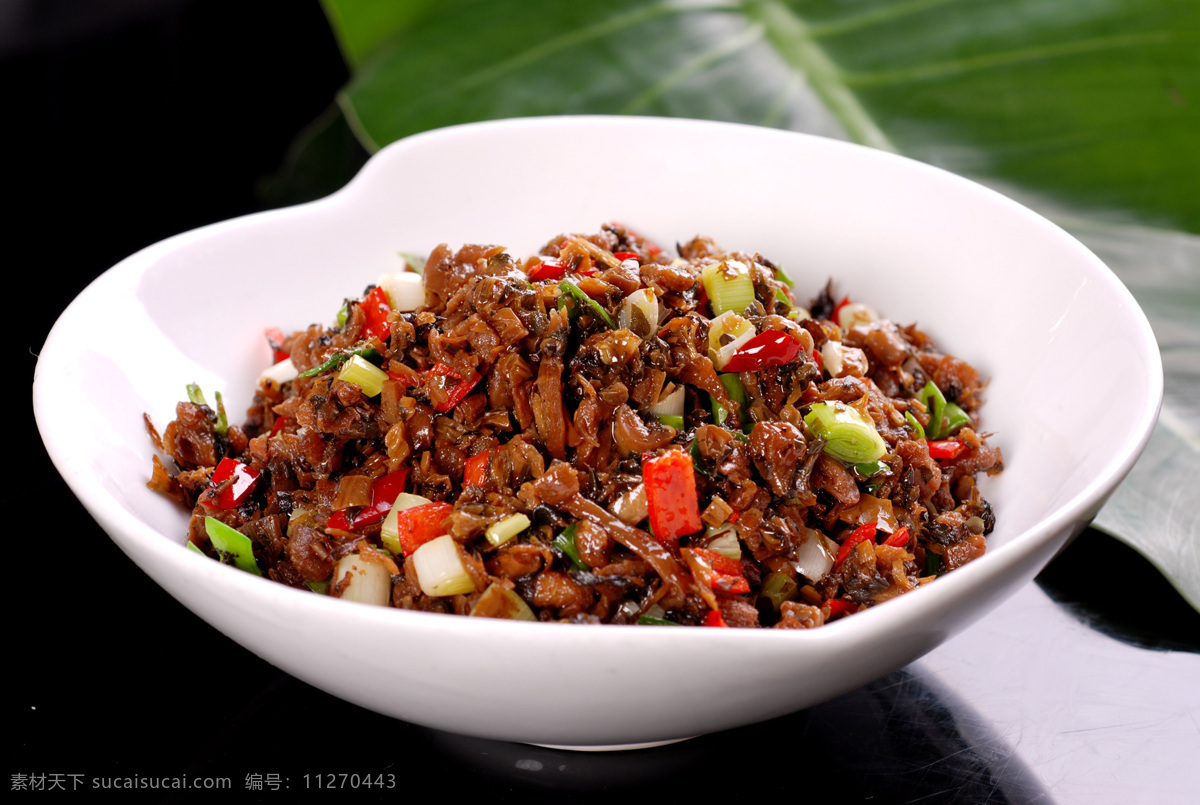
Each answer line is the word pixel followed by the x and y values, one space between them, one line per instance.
pixel 1013 57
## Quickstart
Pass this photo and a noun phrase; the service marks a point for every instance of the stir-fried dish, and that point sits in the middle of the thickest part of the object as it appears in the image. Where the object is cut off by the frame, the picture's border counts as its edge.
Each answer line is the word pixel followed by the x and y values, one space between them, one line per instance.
pixel 599 433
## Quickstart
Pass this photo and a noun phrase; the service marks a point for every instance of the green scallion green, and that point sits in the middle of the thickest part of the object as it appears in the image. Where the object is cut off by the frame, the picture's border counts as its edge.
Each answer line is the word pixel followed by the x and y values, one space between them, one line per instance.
pixel 415 261
pixel 232 543
pixel 935 403
pixel 195 395
pixel 578 297
pixel 914 424
pixel 954 417
pixel 671 420
pixel 222 426
pixel 565 542
pixel 338 358
pixel 868 469
pixel 737 393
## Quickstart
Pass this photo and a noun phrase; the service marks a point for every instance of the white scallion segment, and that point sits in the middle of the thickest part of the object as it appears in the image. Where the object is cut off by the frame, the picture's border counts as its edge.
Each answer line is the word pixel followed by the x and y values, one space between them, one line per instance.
pixel 499 602
pixel 671 405
pixel 855 313
pixel 639 313
pixel 631 507
pixel 405 291
pixel 370 581
pixel 440 570
pixel 282 372
pixel 831 357
pixel 726 352
pixel 724 540
pixel 727 324
pixel 502 531
pixel 814 557
pixel 364 374
pixel 389 532
pixel 728 285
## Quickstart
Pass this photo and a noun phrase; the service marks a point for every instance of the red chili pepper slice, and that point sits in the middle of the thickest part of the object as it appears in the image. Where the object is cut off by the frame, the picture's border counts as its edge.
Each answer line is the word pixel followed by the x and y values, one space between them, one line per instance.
pixel 946 449
pixel 551 268
pixel 719 573
pixel 770 348
pixel 899 539
pixel 420 524
pixel 671 494
pixel 839 607
pixel 275 338
pixel 728 575
pixel 279 425
pixel 243 479
pixel 861 534
pixel 383 494
pixel 713 618
pixel 475 471
pixel 376 307
pixel 623 256
pixel 457 393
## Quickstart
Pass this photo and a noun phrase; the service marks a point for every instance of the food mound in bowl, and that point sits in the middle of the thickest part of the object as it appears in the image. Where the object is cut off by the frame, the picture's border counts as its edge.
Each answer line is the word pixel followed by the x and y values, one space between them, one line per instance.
pixel 600 433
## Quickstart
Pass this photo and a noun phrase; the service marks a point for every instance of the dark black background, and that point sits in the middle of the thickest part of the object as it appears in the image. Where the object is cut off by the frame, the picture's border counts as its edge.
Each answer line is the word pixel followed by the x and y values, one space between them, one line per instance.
pixel 127 122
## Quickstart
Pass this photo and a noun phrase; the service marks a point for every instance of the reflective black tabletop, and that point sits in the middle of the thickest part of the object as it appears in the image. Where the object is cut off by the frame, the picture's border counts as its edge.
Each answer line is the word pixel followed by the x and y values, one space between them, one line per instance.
pixel 161 116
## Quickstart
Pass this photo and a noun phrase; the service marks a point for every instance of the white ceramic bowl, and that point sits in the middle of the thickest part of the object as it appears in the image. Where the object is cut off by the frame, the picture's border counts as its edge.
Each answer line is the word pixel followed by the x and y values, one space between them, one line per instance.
pixel 1076 382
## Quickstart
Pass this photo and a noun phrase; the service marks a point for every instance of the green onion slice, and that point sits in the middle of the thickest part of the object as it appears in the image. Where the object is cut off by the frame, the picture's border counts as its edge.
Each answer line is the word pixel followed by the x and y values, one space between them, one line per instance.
pixel 737 393
pixel 222 426
pixel 502 531
pixel 777 588
pixel 955 418
pixel 935 402
pixel 580 298
pixel 914 424
pixel 728 285
pixel 848 435
pixel 671 420
pixel 565 542
pixel 868 469
pixel 415 261
pixel 338 358
pixel 367 376
pixel 232 543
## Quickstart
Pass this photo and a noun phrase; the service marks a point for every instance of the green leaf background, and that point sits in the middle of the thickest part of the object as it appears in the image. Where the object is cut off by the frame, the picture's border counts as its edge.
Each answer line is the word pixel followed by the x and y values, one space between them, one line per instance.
pixel 1086 110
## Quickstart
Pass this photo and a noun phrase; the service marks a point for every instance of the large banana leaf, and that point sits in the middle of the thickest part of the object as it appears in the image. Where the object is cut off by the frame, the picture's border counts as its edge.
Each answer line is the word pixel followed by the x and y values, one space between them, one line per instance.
pixel 1088 110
